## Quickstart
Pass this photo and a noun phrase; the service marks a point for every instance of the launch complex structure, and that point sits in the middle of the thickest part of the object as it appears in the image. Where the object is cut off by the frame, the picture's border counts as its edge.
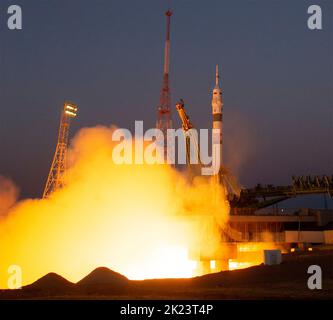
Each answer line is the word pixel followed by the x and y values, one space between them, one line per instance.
pixel 56 177
pixel 252 209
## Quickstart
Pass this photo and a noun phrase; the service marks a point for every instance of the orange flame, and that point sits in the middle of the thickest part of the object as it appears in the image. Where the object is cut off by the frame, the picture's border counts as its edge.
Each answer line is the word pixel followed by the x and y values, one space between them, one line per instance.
pixel 134 219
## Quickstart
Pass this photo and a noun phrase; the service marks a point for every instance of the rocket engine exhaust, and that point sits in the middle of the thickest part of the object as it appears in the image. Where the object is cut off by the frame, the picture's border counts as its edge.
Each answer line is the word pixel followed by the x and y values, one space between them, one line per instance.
pixel 139 220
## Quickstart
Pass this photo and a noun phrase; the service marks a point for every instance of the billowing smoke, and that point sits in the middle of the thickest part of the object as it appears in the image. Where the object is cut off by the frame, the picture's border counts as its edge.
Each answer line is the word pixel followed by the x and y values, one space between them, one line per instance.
pixel 8 195
pixel 241 144
pixel 139 220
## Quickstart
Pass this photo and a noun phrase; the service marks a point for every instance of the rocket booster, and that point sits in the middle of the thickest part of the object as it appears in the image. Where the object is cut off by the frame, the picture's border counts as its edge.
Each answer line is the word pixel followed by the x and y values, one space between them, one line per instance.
pixel 217 108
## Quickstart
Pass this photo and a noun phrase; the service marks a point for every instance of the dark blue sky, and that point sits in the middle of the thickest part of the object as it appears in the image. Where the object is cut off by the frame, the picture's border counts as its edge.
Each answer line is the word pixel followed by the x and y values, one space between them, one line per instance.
pixel 106 55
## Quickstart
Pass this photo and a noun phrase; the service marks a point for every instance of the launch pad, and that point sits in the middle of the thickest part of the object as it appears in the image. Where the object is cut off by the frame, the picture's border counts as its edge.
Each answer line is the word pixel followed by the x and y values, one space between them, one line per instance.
pixel 244 237
pixel 188 218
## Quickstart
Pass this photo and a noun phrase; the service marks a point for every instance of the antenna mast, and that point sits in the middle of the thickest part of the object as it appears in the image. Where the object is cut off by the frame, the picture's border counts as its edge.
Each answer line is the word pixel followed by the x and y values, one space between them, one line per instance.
pixel 164 120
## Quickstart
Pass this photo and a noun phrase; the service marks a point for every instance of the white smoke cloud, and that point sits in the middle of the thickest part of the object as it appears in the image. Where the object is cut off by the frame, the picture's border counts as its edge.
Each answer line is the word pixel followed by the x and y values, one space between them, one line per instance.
pixel 8 195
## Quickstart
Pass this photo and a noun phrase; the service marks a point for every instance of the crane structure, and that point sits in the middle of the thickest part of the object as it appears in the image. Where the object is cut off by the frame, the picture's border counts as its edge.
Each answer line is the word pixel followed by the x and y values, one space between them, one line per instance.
pixel 164 119
pixel 55 179
pixel 189 135
pixel 226 178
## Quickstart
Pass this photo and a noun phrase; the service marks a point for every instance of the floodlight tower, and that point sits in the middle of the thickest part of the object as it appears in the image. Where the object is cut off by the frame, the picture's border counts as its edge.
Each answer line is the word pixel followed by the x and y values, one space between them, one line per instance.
pixel 164 120
pixel 55 178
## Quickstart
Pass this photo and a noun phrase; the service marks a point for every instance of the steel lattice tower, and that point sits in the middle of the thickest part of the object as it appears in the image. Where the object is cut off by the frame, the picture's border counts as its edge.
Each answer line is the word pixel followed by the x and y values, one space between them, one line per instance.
pixel 55 178
pixel 164 120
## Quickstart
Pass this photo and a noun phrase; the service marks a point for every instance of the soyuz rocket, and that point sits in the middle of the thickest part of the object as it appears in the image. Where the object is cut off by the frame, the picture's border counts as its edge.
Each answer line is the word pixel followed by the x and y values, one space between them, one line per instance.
pixel 217 109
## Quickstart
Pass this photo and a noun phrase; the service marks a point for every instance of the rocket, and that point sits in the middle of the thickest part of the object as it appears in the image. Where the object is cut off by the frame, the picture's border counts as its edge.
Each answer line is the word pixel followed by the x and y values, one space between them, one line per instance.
pixel 217 109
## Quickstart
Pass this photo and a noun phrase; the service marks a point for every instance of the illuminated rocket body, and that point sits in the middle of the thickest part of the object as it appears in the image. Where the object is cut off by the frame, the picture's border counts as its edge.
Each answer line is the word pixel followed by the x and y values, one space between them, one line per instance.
pixel 217 109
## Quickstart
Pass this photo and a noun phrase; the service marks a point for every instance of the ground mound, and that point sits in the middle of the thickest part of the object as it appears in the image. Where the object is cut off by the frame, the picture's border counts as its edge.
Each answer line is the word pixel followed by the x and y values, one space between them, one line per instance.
pixel 103 276
pixel 285 281
pixel 49 284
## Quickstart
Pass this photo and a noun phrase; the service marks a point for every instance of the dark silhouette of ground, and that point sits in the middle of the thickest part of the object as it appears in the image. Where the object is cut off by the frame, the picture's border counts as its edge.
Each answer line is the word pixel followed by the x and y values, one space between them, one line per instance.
pixel 103 276
pixel 51 281
pixel 285 281
pixel 103 281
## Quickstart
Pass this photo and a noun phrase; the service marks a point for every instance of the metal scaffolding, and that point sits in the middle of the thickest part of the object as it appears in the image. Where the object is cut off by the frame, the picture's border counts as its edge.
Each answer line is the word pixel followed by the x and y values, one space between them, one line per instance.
pixel 55 178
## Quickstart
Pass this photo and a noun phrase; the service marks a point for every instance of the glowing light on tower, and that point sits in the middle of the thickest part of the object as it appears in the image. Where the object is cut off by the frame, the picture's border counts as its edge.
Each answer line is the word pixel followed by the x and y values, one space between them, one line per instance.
pixel 55 178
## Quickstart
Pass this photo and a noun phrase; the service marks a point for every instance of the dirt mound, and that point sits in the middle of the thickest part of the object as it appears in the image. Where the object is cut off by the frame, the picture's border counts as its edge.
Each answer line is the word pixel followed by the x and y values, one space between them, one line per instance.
pixel 285 281
pixel 50 282
pixel 103 276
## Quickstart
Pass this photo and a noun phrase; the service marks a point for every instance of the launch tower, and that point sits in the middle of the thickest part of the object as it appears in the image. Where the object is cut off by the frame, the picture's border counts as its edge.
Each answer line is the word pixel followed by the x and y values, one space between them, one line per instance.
pixel 164 120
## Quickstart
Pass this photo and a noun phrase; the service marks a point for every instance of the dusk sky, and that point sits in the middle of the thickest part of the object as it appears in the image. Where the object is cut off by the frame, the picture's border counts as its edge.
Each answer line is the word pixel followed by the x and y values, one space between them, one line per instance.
pixel 107 56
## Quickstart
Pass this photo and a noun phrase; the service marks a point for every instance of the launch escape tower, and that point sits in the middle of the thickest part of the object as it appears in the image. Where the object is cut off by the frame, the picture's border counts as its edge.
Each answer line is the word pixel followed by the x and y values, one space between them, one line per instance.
pixel 55 178
pixel 164 120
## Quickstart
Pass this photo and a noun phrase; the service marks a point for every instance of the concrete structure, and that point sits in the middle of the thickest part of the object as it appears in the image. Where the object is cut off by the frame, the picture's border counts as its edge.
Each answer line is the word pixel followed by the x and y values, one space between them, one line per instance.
pixel 328 236
pixel 272 257
pixel 306 225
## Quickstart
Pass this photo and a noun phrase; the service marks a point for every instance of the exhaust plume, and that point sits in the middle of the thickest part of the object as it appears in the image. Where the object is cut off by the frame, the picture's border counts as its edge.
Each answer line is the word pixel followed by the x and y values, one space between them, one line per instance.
pixel 8 195
pixel 139 220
